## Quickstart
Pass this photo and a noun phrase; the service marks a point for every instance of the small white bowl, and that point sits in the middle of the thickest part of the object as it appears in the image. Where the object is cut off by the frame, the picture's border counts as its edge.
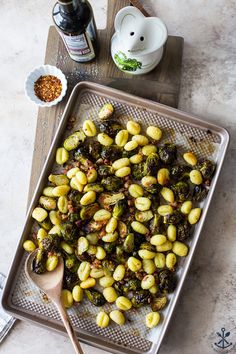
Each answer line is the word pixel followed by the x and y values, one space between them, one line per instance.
pixel 42 71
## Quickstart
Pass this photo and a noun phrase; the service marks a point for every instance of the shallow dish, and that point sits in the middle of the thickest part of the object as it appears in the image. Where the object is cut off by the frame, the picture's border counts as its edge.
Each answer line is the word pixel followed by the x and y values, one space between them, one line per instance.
pixel 24 301
pixel 42 71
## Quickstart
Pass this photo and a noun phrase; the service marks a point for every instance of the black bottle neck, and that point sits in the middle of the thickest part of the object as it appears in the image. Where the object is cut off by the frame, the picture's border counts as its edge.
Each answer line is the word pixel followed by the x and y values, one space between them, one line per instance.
pixel 69 6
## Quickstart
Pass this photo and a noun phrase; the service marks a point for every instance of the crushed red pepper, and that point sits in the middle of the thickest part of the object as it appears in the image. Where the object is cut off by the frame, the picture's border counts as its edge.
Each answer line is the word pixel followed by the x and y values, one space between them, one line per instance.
pixel 47 88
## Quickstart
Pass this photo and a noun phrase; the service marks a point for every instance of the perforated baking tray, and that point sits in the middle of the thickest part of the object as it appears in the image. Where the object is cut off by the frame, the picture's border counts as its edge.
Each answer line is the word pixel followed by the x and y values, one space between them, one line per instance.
pixel 25 301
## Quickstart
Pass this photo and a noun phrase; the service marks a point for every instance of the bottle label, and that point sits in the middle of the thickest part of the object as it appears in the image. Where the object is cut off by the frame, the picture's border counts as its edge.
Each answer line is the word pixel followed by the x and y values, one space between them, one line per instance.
pixel 80 47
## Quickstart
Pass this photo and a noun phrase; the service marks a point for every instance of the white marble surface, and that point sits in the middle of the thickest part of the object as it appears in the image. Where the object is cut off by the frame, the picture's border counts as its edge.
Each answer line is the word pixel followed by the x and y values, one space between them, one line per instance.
pixel 208 89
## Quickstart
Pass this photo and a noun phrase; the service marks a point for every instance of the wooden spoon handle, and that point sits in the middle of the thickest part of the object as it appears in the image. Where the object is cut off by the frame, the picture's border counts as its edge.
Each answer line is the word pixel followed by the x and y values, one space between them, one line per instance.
pixel 69 328
pixel 137 4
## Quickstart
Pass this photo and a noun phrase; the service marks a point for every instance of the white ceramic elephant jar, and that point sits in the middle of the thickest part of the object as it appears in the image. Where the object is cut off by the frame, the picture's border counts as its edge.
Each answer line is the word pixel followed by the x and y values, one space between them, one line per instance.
pixel 137 44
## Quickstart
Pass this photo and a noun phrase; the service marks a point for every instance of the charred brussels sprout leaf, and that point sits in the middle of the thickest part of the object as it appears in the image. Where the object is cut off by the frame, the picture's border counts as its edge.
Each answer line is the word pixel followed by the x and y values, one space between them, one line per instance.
pixel 118 288
pixel 130 153
pixel 51 243
pixel 120 257
pixel 153 189
pixel 110 127
pixel 75 196
pixel 207 169
pixel 156 224
pixel 73 217
pixel 140 298
pixel 108 265
pixel 46 224
pixel 158 303
pixel 81 152
pixel 179 172
pixel 167 281
pixel 138 171
pixel 70 279
pixel 199 193
pixel 129 243
pixel 152 164
pixel 112 183
pixel 95 297
pixel 175 218
pixel 94 149
pixel 132 285
pixel 105 170
pixel 69 231
pixel 109 247
pixel 120 208
pixel 168 153
pixel 138 240
pixel 183 231
pixel 88 211
pixel 181 191
pixel 39 262
pixel 111 153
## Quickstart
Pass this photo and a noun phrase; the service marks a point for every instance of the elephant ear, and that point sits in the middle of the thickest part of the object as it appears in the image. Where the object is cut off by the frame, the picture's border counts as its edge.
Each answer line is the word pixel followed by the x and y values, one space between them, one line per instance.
pixel 126 17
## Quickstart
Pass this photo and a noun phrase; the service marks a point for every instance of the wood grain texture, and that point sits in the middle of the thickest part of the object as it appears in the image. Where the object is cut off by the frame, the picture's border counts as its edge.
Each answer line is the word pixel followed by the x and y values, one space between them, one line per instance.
pixel 162 84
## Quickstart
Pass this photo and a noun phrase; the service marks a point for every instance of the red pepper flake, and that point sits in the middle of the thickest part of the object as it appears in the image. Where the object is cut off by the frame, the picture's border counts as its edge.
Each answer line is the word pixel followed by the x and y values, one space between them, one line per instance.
pixel 47 88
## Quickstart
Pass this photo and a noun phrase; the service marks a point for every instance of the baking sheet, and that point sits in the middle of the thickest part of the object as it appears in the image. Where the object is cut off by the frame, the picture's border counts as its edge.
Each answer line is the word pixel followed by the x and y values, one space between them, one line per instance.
pixel 25 301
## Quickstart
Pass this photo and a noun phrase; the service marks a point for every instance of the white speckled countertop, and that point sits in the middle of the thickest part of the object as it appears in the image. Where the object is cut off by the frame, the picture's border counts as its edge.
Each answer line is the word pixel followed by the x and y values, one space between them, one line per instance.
pixel 208 301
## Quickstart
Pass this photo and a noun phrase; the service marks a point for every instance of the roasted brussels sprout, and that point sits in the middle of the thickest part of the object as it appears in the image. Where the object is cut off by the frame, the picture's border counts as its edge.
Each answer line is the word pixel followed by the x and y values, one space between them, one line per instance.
pixel 51 243
pixel 95 297
pixel 132 285
pixel 207 169
pixel 175 218
pixel 153 189
pixel 71 262
pixel 138 171
pixel 152 164
pixel 168 153
pixel 199 193
pixel 112 183
pixel 93 226
pixel 69 231
pixel 167 281
pixel 179 172
pixel 156 224
pixel 120 257
pixel 140 298
pixel 46 224
pixel 94 149
pixel 81 152
pixel 106 199
pixel 70 279
pixel 183 231
pixel 110 127
pixel 73 217
pixel 39 262
pixel 108 265
pixel 181 191
pixel 105 170
pixel 75 196
pixel 88 211
pixel 47 203
pixel 158 303
pixel 118 288
pixel 129 243
pixel 109 247
pixel 111 153
pixel 119 208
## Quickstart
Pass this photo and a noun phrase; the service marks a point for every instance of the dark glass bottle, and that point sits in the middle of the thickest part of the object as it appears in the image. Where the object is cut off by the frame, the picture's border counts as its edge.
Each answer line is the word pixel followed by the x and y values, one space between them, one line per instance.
pixel 75 22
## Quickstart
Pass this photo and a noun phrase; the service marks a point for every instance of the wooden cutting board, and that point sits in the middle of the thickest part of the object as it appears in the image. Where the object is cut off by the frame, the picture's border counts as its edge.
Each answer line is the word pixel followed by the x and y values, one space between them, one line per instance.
pixel 162 84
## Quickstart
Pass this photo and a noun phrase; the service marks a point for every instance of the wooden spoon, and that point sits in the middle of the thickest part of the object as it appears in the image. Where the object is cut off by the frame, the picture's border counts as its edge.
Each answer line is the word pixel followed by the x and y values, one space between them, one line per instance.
pixel 51 284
